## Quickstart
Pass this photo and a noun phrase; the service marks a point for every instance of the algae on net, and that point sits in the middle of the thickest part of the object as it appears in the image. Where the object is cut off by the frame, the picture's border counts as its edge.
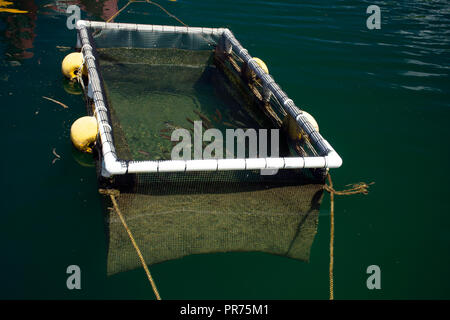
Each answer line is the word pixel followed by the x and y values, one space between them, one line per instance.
pixel 156 56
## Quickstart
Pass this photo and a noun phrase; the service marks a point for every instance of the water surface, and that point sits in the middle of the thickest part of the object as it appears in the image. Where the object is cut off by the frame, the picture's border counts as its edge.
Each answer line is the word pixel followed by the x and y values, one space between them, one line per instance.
pixel 381 98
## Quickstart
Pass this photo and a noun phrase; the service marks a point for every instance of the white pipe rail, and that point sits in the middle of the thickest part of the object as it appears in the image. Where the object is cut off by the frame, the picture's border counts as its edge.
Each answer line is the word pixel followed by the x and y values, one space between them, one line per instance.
pixel 148 27
pixel 113 166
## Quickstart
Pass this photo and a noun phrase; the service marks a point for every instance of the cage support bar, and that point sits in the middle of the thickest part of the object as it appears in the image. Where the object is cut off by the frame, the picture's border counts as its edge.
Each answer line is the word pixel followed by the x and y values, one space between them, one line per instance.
pixel 144 27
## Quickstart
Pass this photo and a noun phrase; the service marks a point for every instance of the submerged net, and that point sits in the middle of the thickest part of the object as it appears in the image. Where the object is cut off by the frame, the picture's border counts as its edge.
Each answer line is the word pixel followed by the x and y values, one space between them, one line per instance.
pixel 177 214
pixel 156 83
pixel 152 92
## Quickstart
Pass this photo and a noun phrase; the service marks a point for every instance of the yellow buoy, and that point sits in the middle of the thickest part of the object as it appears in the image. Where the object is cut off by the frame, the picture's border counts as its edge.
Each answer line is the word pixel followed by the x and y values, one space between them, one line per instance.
pixel 250 74
pixel 311 120
pixel 261 64
pixel 83 133
pixel 71 65
pixel 292 128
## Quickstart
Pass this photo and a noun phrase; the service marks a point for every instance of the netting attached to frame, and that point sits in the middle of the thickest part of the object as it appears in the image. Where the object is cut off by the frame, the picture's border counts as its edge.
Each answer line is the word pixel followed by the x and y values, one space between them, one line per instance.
pixel 147 81
pixel 188 72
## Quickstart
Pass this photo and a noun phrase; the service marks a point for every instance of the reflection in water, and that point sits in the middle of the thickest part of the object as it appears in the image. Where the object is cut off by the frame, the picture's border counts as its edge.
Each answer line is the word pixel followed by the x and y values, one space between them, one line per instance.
pixel 20 22
pixel 100 9
pixel 19 32
pixel 4 7
pixel 103 9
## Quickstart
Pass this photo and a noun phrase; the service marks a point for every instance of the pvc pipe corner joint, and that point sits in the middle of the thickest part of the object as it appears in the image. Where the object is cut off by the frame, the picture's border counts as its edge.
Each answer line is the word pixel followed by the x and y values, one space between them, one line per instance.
pixel 82 24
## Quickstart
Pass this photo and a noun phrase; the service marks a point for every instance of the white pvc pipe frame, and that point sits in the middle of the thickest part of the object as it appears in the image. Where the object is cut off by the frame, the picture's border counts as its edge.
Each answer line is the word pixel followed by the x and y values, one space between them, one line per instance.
pixel 114 166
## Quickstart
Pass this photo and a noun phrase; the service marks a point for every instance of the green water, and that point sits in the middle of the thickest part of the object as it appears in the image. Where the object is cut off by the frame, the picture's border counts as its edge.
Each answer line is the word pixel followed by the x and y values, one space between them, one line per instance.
pixel 153 92
pixel 381 98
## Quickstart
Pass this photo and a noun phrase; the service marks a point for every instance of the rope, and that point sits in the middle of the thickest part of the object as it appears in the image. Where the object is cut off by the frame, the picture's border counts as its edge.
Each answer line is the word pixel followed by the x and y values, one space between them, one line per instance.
pixel 160 7
pixel 330 187
pixel 149 2
pixel 113 194
pixel 123 8
pixel 358 188
pixel 167 12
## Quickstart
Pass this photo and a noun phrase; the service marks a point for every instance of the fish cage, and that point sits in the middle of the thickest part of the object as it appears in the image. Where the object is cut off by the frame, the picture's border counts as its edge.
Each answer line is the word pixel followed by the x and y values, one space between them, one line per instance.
pixel 145 82
pixel 169 61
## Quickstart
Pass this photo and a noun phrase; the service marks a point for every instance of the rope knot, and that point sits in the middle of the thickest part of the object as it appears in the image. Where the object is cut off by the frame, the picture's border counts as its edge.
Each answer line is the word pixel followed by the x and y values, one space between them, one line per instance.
pixel 356 188
pixel 109 192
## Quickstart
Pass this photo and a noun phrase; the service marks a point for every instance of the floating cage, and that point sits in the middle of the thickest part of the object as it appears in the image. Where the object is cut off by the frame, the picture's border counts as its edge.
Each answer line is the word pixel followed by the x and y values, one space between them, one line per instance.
pixel 145 82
